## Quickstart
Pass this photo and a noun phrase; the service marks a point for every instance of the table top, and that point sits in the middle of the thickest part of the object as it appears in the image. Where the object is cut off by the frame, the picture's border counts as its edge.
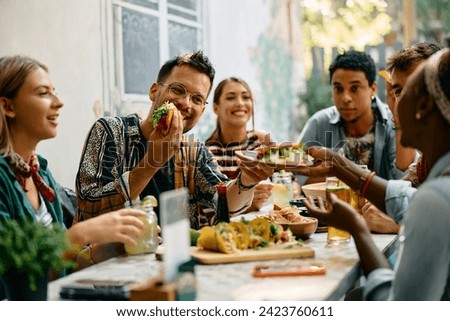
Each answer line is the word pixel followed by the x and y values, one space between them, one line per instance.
pixel 234 281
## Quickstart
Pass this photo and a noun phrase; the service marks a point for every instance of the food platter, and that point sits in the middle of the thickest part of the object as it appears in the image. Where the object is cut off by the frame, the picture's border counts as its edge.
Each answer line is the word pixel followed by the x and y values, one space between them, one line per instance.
pixel 273 252
pixel 292 250
pixel 251 158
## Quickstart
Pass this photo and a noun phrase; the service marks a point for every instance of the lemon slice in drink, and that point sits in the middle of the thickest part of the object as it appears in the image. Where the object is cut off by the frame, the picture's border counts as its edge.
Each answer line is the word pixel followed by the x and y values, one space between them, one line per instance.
pixel 150 199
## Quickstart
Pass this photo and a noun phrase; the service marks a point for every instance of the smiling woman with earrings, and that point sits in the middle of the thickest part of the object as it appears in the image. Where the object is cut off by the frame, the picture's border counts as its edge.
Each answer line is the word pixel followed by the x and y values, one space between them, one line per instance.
pixel 234 106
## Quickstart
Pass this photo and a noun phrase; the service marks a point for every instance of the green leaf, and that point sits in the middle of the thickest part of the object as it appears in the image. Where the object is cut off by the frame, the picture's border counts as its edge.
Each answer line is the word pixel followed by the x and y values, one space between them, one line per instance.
pixel 29 247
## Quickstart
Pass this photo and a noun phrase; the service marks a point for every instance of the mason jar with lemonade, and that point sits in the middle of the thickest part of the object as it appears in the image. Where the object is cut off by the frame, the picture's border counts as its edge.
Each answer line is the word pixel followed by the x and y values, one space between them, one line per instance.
pixel 282 191
pixel 148 241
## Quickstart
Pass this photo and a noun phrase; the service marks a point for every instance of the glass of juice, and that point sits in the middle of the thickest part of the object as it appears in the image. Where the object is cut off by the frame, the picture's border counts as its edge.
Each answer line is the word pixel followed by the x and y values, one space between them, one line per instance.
pixel 357 201
pixel 342 191
pixel 282 188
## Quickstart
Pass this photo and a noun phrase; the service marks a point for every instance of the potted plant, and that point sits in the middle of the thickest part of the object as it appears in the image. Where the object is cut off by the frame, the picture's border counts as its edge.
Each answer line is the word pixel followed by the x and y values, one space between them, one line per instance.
pixel 29 250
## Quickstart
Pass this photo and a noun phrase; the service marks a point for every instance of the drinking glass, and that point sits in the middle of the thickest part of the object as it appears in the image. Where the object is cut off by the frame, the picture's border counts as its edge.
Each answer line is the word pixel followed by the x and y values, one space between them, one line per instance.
pixel 357 201
pixel 282 190
pixel 342 191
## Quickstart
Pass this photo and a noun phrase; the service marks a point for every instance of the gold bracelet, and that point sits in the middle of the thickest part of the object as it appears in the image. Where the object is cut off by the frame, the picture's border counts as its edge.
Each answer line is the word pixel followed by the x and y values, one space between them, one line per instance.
pixel 241 185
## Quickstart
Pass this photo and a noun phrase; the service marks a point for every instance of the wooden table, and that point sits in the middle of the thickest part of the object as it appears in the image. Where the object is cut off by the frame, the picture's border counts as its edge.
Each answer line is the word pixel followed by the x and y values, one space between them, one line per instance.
pixel 234 281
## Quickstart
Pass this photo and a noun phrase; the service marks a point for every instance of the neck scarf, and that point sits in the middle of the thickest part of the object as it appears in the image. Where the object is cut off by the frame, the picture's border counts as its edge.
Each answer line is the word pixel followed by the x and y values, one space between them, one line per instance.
pixel 24 170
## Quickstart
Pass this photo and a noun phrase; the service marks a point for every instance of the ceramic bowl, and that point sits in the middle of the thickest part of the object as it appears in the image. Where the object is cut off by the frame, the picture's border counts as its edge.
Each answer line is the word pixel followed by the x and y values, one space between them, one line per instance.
pixel 302 230
pixel 315 190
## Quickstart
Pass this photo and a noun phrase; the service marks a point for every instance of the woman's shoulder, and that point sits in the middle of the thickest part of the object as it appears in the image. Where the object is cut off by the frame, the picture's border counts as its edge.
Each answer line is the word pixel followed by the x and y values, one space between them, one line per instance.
pixel 432 196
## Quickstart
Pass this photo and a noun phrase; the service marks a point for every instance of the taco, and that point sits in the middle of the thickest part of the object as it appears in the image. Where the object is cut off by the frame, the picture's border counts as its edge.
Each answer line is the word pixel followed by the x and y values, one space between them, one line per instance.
pixel 162 117
pixel 225 238
pixel 207 239
pixel 241 234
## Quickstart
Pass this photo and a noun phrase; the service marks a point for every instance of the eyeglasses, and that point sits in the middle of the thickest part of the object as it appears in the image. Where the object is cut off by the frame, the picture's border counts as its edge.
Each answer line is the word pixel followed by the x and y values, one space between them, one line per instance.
pixel 179 91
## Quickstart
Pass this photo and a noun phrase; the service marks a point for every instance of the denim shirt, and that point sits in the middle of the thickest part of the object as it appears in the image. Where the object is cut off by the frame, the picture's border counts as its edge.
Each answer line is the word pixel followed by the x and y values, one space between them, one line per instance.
pixel 324 129
pixel 423 266
pixel 398 196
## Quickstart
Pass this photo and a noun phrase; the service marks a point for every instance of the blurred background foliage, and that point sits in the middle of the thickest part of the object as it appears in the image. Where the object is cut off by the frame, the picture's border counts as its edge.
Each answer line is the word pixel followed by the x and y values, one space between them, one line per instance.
pixel 332 25
pixel 433 17
pixel 335 24
pixel 343 24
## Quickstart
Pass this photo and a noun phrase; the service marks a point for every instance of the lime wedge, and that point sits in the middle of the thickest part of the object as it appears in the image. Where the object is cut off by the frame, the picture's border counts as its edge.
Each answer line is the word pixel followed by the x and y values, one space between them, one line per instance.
pixel 194 235
pixel 335 189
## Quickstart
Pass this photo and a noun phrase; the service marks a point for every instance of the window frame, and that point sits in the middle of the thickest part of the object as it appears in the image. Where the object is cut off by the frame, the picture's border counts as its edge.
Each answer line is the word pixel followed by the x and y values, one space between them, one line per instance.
pixel 116 100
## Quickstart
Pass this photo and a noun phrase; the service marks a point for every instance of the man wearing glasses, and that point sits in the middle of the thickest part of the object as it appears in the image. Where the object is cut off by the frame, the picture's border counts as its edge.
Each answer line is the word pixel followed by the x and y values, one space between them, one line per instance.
pixel 126 157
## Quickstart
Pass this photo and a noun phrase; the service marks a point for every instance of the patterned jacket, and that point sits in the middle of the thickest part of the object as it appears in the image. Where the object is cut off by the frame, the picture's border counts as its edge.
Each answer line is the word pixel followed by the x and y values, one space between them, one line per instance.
pixel 115 145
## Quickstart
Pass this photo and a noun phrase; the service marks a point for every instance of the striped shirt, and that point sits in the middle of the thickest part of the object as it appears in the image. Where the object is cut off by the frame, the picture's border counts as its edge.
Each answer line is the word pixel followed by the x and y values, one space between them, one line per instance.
pixel 225 154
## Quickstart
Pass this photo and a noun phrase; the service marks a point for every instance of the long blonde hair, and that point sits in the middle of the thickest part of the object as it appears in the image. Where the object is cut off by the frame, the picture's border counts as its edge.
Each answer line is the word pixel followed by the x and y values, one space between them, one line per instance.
pixel 13 72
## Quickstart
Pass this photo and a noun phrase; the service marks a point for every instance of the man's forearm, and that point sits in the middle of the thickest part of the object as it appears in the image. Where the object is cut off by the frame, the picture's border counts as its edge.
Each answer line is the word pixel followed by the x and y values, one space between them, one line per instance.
pixel 138 179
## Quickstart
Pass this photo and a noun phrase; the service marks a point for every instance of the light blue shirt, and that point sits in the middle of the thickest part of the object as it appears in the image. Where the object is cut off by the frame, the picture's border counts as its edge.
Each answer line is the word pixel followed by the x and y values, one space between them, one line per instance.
pixel 423 267
pixel 324 129
pixel 398 196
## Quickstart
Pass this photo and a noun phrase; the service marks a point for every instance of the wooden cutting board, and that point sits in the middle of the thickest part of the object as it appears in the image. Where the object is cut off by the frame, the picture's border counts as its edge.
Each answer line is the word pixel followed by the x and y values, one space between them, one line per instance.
pixel 274 252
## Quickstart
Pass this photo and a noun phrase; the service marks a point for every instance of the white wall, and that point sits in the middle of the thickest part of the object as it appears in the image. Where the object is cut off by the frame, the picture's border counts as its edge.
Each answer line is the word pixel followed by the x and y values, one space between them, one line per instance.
pixel 234 29
pixel 64 35
pixel 259 41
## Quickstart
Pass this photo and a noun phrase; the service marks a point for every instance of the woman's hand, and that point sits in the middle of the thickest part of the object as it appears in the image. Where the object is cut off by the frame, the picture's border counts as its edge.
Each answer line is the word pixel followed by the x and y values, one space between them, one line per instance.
pixel 341 215
pixel 262 193
pixel 118 226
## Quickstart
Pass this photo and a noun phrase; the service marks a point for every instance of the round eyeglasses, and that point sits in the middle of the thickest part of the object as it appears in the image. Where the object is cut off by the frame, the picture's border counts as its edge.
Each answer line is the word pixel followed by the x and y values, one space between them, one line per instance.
pixel 179 91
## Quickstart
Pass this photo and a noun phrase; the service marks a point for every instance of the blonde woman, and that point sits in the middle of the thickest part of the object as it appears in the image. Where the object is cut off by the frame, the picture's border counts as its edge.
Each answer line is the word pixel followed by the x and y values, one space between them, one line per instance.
pixel 29 111
pixel 234 107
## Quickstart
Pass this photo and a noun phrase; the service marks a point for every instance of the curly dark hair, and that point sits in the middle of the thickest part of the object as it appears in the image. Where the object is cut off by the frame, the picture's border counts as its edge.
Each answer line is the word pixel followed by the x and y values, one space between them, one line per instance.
pixel 355 60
